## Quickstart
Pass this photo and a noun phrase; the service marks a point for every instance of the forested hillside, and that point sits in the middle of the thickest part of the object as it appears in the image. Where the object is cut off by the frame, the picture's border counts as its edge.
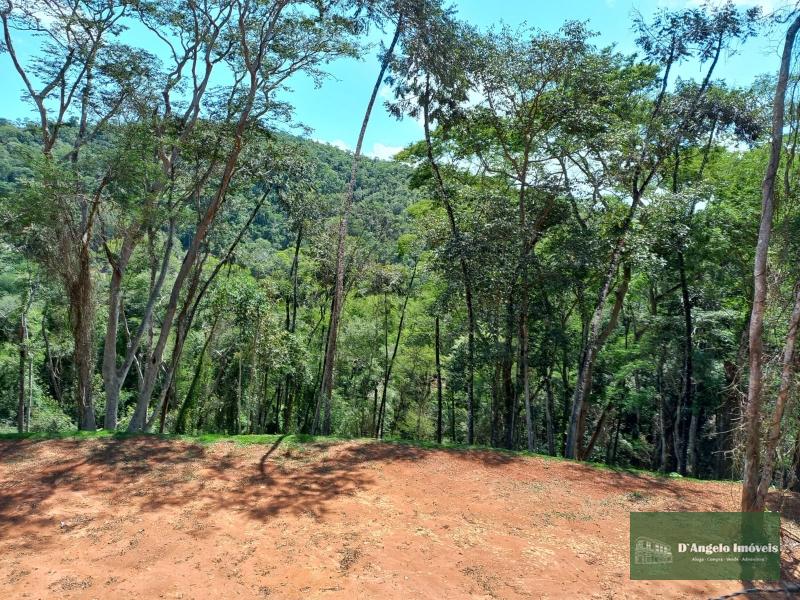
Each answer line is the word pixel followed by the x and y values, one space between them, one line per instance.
pixel 562 263
pixel 243 317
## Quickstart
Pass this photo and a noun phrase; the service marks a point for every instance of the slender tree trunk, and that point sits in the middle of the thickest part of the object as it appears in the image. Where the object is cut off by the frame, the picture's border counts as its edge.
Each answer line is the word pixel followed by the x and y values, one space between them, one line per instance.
pixel 527 403
pixel 666 436
pixel 238 396
pixel 438 385
pixel 565 394
pixel 277 412
pixel 111 376
pixel 787 374
pixel 453 437
pixel 23 361
pixel 523 361
pixel 170 399
pixel 318 397
pixel 752 500
pixel 549 415
pixel 686 401
pixel 326 384
pixel 296 276
pixel 495 414
pixel 29 411
pixel 390 363
pixel 465 272
pixel 616 441
pixel 523 308
pixel 677 433
pixel 52 371
pixel 691 443
pixel 191 395
pixel 288 407
pixel 596 434
pixel 509 390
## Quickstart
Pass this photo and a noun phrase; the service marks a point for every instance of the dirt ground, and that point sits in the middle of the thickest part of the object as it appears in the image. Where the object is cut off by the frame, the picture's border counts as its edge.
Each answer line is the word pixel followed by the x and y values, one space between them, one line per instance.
pixel 157 518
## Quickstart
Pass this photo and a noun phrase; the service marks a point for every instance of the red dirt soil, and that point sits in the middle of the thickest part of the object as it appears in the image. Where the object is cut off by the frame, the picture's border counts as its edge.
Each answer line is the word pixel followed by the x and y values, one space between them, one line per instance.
pixel 156 518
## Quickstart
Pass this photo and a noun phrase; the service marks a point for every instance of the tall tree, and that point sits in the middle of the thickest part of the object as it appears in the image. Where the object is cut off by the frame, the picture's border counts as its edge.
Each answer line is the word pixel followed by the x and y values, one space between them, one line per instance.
pixel 671 38
pixel 430 81
pixel 266 44
pixel 82 74
pixel 753 494
pixel 393 12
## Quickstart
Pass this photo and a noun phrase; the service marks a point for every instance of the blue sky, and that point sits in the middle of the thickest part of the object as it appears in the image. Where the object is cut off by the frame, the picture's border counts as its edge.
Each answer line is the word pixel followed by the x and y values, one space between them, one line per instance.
pixel 335 110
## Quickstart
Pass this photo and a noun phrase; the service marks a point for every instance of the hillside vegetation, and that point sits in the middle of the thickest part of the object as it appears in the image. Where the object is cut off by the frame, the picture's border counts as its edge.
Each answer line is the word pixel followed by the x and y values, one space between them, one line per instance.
pixel 587 253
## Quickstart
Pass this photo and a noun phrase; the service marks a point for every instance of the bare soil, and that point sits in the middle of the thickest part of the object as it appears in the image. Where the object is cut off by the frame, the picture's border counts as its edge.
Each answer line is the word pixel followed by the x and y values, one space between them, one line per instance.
pixel 159 518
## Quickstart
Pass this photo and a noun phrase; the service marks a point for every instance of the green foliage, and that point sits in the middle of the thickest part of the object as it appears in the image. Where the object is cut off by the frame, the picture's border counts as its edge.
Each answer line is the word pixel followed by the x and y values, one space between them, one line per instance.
pixel 549 159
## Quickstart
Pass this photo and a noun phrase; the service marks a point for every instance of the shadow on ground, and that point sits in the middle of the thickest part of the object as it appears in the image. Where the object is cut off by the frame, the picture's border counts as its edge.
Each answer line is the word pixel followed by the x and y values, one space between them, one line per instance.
pixel 265 482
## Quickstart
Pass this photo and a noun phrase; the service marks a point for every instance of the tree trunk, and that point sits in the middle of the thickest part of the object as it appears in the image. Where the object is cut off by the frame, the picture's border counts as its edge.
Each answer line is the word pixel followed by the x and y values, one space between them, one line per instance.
pixel 82 324
pixel 616 441
pixel 686 402
pixel 523 308
pixel 691 443
pixel 113 375
pixel 390 364
pixel 191 394
pixel 453 437
pixel 597 337
pixel 438 385
pixel 23 361
pixel 52 371
pixel 465 273
pixel 326 384
pixel 288 407
pixel 587 452
pixel 752 500
pixel 509 390
pixel 565 394
pixel 787 374
pixel 549 415
pixel 139 421
pixel 666 432
pixel 526 392
pixel 29 411
pixel 374 430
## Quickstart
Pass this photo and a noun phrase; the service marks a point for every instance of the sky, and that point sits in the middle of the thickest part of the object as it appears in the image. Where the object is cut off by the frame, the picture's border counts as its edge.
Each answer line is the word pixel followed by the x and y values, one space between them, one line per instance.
pixel 333 112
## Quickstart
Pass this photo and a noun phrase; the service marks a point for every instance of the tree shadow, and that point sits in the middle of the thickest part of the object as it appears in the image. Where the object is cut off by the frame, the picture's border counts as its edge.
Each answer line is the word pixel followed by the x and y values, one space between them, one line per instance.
pixel 149 473
pixel 146 474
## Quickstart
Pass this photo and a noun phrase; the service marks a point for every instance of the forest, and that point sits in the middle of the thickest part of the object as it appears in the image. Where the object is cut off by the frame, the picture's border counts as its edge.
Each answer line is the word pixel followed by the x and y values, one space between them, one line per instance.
pixel 586 254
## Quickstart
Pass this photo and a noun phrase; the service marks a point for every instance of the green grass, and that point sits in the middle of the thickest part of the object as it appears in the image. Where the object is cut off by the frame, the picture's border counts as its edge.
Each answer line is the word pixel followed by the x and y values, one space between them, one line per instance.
pixel 302 438
pixel 206 438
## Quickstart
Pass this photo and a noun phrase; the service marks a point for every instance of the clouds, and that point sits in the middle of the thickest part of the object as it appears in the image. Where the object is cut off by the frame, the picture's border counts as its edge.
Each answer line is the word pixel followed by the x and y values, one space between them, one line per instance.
pixel 379 150
pixel 341 145
pixel 383 151
pixel 767 6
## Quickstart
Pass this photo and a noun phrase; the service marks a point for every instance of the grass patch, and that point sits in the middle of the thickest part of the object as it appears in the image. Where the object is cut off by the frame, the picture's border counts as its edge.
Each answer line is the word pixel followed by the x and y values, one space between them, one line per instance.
pixel 299 439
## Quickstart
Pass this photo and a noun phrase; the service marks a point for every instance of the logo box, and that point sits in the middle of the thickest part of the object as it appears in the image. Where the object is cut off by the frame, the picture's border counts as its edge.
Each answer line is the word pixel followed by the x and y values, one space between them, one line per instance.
pixel 699 546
